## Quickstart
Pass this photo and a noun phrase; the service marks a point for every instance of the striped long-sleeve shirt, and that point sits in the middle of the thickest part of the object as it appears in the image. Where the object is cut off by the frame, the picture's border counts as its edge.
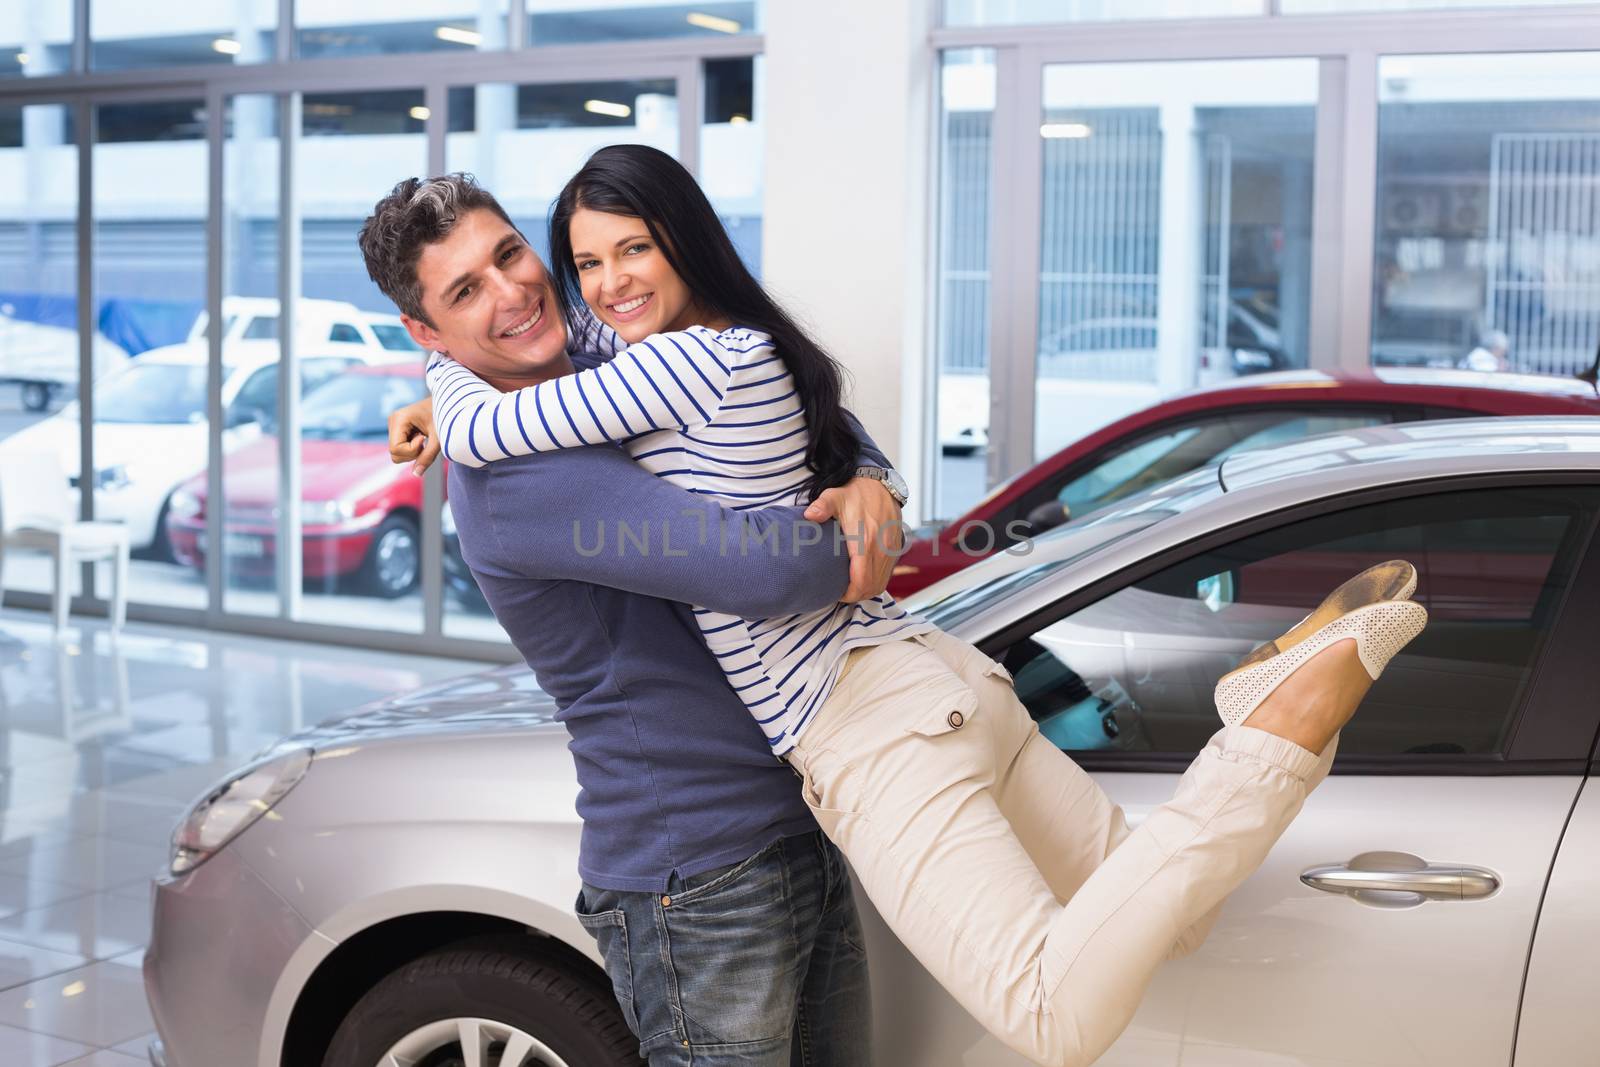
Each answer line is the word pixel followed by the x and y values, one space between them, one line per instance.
pixel 717 414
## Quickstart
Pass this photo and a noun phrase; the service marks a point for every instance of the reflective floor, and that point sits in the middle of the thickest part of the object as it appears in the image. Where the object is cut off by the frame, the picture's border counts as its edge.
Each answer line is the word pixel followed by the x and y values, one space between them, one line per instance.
pixel 102 745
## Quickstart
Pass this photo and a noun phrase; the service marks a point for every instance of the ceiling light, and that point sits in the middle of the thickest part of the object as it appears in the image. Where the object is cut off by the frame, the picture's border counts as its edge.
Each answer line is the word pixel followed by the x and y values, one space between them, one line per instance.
pixel 22 58
pixel 227 46
pixel 712 22
pixel 420 114
pixel 1073 130
pixel 739 120
pixel 73 989
pixel 457 35
pixel 606 107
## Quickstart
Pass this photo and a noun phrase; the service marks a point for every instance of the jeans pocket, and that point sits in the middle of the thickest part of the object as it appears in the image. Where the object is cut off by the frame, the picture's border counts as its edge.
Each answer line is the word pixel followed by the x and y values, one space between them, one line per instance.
pixel 609 928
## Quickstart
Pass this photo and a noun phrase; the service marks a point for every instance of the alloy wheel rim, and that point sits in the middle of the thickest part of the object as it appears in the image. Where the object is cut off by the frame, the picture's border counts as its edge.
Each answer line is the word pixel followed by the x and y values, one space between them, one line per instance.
pixel 470 1042
pixel 397 560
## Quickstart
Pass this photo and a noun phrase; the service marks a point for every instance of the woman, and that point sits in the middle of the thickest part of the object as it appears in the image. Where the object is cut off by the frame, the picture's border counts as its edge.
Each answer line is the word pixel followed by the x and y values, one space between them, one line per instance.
pixel 989 852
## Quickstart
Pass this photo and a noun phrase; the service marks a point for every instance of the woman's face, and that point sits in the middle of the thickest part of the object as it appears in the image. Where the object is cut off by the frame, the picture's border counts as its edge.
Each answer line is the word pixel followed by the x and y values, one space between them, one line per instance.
pixel 626 278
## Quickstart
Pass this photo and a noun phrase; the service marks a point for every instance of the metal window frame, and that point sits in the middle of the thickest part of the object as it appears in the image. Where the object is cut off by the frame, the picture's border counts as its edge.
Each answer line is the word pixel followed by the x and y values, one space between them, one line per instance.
pixel 288 79
pixel 1345 163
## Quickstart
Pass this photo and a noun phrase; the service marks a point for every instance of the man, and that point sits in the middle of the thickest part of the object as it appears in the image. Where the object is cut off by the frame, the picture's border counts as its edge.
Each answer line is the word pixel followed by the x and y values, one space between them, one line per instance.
pixel 725 918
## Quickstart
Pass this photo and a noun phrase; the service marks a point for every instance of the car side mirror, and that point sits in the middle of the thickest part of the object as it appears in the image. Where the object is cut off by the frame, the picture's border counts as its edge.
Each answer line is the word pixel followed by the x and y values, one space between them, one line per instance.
pixel 1048 516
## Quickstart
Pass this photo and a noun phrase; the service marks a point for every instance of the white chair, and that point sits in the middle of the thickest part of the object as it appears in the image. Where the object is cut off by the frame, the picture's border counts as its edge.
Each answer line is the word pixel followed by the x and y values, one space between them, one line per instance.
pixel 37 512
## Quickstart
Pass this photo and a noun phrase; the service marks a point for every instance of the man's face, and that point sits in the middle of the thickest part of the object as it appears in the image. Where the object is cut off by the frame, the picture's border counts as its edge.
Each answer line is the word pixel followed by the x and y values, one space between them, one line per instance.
pixel 493 307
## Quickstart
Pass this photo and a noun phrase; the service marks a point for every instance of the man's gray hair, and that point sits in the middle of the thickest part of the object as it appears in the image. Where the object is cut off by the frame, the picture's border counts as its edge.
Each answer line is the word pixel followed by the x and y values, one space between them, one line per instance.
pixel 415 214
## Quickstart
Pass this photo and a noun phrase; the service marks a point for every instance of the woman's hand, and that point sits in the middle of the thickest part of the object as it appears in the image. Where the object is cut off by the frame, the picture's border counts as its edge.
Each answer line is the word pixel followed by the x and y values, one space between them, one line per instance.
pixel 870 521
pixel 411 436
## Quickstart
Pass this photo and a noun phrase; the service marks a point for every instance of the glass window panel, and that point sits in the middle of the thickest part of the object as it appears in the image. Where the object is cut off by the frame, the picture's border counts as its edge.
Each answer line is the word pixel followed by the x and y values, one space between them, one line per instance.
pixel 1013 12
pixel 1135 670
pixel 360 514
pixel 151 430
pixel 1157 175
pixel 731 139
pixel 961 336
pixel 171 33
pixel 596 21
pixel 523 142
pixel 1340 7
pixel 1488 212
pixel 250 486
pixel 326 28
pixel 39 319
pixel 35 38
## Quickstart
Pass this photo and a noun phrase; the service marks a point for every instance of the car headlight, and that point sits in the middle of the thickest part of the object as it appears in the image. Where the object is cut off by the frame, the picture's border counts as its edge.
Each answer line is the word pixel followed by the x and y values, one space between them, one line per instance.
pixel 326 512
pixel 226 811
pixel 185 505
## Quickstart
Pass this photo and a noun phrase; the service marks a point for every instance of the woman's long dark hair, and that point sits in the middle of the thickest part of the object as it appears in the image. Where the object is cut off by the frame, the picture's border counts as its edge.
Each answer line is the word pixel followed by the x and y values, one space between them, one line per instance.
pixel 648 184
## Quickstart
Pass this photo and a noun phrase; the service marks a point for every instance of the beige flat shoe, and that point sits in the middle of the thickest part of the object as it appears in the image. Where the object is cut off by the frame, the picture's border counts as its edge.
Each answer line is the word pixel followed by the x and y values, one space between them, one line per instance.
pixel 1372 608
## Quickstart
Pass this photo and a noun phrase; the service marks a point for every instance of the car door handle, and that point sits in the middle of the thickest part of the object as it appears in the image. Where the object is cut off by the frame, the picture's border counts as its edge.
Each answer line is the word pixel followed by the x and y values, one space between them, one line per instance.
pixel 1399 879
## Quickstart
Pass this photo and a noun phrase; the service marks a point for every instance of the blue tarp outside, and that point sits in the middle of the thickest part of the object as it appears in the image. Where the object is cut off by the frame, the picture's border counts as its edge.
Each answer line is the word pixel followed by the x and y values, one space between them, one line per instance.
pixel 136 325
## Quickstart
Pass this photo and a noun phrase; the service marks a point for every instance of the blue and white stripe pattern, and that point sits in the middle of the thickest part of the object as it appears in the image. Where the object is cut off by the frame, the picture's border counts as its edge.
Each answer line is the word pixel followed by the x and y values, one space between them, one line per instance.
pixel 714 413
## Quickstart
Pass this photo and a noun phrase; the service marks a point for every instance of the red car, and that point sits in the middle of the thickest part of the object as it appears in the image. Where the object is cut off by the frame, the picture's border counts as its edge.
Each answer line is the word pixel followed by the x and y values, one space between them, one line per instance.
pixel 359 512
pixel 1191 430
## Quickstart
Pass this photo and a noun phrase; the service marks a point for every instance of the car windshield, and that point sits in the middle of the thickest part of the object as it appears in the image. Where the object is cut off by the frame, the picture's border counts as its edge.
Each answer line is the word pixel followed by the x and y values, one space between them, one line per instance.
pixel 972 591
pixel 394 338
pixel 355 407
pixel 153 392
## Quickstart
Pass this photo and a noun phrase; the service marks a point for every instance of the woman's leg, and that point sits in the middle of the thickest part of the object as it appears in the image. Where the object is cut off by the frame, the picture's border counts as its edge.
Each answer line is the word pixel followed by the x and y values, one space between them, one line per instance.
pixel 1059 813
pixel 903 768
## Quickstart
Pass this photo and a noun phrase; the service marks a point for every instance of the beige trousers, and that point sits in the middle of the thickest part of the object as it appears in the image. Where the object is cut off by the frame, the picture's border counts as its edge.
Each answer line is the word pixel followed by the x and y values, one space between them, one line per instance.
pixel 1004 867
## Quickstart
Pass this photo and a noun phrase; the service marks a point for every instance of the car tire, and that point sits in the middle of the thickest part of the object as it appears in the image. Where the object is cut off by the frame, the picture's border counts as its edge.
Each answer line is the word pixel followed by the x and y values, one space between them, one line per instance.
pixel 573 1021
pixel 394 559
pixel 36 396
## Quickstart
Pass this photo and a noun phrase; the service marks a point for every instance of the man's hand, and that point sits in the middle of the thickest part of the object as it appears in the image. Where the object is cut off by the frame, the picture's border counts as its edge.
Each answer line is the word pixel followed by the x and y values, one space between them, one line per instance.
pixel 411 436
pixel 870 520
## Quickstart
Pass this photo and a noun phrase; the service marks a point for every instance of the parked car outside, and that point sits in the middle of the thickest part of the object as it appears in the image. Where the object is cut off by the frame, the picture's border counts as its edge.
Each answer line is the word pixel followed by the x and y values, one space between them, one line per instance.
pixel 359 512
pixel 428 843
pixel 150 424
pixel 1190 430
pixel 42 359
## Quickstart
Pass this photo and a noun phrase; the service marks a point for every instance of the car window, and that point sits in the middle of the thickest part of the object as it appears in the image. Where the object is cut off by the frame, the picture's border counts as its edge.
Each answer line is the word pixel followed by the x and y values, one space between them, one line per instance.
pixel 394 338
pixel 1165 454
pixel 316 371
pixel 1135 670
pixel 152 392
pixel 261 328
pixel 343 331
pixel 259 392
pixel 355 407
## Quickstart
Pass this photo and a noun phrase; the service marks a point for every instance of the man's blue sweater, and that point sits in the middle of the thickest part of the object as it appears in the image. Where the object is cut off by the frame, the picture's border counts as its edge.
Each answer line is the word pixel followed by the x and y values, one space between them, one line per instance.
pixel 674 775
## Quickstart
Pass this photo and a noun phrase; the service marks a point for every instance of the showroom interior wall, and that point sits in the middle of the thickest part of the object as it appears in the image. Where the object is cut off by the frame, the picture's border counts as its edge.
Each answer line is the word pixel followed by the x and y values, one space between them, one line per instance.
pixel 851 86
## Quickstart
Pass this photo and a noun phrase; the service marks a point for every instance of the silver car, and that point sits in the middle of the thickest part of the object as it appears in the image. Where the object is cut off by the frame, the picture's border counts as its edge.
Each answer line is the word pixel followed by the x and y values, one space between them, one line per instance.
pixel 407 874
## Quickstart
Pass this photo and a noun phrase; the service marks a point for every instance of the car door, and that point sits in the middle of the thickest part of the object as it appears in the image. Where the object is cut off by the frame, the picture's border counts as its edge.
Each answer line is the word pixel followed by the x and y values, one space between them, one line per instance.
pixel 1468 753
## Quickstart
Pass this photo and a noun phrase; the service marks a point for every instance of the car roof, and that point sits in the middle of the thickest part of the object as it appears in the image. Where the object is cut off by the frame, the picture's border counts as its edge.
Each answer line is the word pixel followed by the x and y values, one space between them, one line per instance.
pixel 260 351
pixel 1252 484
pixel 1404 451
pixel 1426 377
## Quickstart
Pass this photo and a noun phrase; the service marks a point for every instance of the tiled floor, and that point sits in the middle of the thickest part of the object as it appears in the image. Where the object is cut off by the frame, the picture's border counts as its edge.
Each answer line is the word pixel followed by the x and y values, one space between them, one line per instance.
pixel 102 745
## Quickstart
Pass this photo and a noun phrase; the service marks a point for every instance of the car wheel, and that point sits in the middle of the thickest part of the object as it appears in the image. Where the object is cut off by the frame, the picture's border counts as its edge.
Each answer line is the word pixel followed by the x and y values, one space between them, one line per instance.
pixel 475 1006
pixel 35 396
pixel 393 560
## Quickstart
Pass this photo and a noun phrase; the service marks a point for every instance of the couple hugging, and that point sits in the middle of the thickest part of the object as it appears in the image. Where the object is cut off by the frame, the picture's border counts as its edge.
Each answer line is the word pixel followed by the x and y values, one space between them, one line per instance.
pixel 744 722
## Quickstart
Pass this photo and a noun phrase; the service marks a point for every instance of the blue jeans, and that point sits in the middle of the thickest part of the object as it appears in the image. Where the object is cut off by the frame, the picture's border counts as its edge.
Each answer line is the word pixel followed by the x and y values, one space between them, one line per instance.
pixel 758 964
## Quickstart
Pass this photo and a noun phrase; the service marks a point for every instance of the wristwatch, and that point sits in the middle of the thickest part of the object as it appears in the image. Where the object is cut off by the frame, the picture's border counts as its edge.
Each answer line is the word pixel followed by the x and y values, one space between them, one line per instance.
pixel 891 481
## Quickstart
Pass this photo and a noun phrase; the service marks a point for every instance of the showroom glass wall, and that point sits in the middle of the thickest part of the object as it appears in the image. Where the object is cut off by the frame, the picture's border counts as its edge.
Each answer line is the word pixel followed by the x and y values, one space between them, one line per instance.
pixel 183 192
pixel 1128 209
